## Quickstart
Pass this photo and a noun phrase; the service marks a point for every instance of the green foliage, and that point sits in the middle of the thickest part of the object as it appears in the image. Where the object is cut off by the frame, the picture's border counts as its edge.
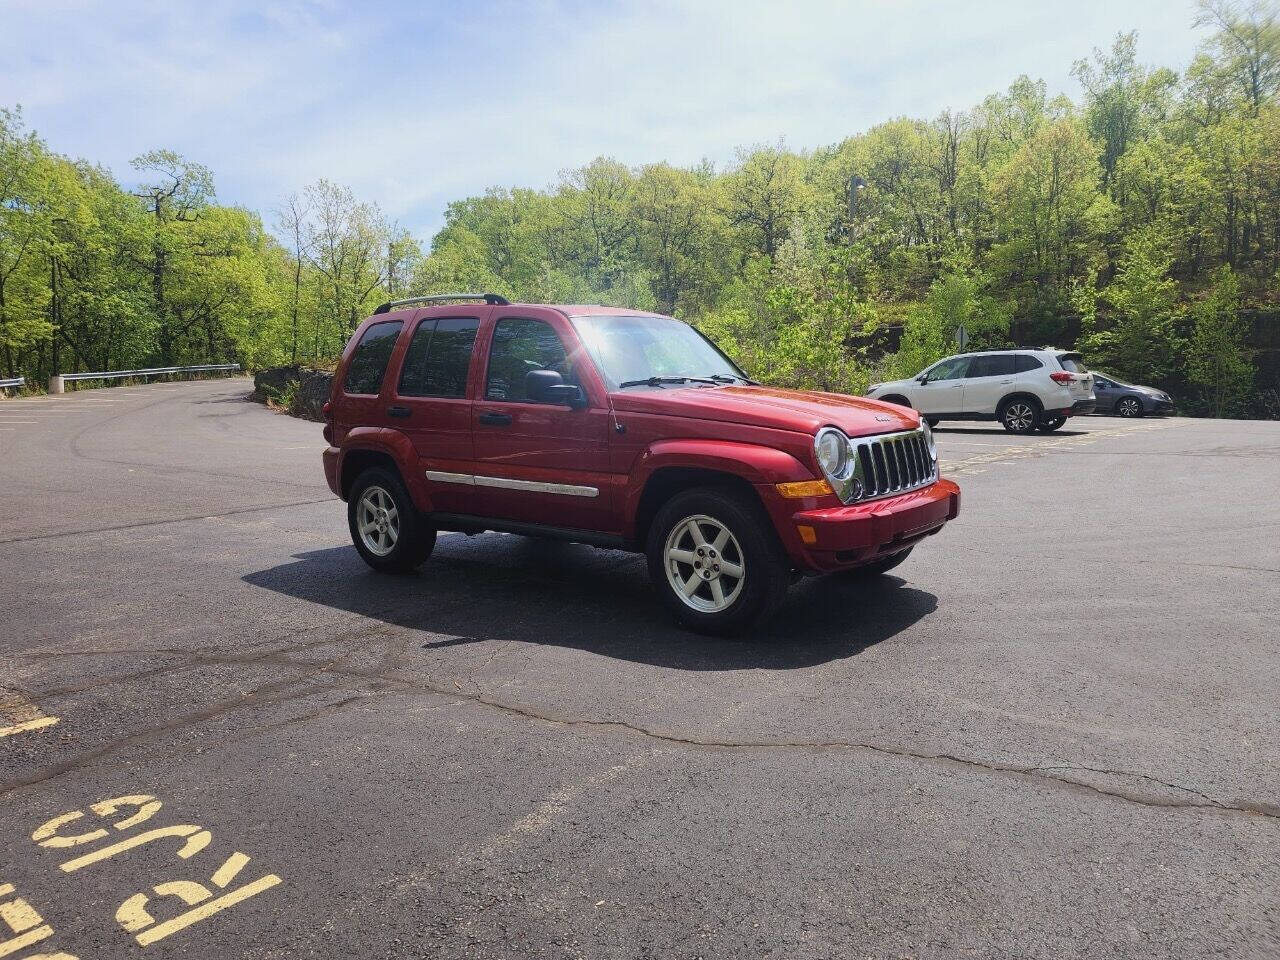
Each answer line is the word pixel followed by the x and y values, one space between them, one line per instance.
pixel 1112 224
pixel 1142 344
pixel 1218 362
pixel 955 299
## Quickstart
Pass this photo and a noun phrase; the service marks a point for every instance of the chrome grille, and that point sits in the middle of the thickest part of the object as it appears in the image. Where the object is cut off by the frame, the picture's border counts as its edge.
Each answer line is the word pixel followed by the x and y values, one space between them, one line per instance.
pixel 889 464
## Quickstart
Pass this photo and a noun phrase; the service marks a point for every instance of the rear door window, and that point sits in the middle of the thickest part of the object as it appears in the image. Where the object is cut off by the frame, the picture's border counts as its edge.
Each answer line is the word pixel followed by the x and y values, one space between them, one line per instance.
pixel 439 358
pixel 1073 363
pixel 1025 362
pixel 991 365
pixel 369 361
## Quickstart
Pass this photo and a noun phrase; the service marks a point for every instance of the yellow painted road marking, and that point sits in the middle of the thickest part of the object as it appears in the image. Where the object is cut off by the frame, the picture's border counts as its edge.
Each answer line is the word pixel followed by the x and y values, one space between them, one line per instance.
pixel 18 714
pixel 28 725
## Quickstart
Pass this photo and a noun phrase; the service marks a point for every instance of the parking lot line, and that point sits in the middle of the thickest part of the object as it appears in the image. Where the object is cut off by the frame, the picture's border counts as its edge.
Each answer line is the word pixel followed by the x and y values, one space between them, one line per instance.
pixel 36 724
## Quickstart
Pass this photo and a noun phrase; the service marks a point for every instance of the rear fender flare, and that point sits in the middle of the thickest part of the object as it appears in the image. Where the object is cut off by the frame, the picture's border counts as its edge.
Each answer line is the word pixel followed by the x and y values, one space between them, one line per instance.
pixel 399 448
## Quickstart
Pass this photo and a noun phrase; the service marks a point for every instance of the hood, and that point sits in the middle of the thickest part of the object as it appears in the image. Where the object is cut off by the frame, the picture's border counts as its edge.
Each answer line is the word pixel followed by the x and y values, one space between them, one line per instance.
pixel 1155 392
pixel 801 411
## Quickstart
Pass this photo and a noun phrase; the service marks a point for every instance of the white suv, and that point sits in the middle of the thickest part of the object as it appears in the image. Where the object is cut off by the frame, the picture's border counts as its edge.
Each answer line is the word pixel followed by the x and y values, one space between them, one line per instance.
pixel 1026 390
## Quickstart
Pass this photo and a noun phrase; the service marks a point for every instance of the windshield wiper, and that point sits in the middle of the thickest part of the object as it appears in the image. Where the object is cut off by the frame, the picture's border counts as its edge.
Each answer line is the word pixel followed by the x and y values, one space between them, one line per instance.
pixel 660 381
pixel 729 378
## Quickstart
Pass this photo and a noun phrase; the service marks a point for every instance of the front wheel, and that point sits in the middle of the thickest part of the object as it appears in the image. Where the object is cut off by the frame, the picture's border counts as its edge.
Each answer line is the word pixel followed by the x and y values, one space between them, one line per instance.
pixel 1052 424
pixel 932 421
pixel 715 561
pixel 386 527
pixel 1129 407
pixel 1020 416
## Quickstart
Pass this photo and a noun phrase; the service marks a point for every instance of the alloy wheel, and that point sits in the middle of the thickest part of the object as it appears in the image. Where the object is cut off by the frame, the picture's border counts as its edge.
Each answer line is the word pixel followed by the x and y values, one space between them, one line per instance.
pixel 378 521
pixel 1019 416
pixel 1129 407
pixel 705 565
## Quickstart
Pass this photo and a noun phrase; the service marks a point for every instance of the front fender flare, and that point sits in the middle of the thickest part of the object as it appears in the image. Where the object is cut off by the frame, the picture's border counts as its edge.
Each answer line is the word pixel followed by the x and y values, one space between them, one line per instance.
pixel 756 464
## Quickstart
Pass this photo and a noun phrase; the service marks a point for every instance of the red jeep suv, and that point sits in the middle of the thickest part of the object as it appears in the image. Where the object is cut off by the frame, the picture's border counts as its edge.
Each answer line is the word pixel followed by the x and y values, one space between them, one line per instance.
pixel 619 429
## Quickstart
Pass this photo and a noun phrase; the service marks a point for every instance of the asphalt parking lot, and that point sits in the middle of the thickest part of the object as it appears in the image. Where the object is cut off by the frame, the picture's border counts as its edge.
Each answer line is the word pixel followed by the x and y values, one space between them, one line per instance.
pixel 1053 732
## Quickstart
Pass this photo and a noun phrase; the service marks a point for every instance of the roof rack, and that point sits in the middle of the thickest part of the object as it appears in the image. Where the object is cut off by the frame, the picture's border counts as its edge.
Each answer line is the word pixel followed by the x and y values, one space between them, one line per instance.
pixel 492 299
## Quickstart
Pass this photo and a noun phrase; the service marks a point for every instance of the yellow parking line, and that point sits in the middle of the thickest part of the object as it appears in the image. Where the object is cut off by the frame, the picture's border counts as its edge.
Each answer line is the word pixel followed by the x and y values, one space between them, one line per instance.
pixel 36 724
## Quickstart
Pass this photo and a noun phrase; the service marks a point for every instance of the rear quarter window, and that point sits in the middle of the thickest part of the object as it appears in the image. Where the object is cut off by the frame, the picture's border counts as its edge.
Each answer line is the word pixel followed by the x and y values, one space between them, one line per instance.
pixel 369 360
pixel 1024 363
pixel 1073 363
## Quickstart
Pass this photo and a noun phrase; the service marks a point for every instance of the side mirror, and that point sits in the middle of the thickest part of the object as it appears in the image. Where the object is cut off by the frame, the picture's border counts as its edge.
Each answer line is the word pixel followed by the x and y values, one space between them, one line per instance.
pixel 566 395
pixel 923 378
pixel 538 382
pixel 547 386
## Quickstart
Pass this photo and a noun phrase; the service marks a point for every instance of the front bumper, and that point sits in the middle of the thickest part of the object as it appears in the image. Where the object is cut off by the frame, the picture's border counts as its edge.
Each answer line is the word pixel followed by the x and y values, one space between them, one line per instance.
pixel 1159 407
pixel 845 537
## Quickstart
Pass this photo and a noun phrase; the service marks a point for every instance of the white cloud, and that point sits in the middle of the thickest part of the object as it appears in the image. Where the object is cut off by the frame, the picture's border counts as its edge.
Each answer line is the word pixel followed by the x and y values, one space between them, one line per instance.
pixel 414 105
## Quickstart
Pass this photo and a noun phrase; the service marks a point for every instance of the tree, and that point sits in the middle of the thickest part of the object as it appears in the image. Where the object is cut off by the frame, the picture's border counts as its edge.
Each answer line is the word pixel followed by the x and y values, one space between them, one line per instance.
pixel 1051 220
pixel 1141 344
pixel 24 224
pixel 345 244
pixel 955 299
pixel 1123 101
pixel 1246 47
pixel 291 219
pixel 1218 362
pixel 765 194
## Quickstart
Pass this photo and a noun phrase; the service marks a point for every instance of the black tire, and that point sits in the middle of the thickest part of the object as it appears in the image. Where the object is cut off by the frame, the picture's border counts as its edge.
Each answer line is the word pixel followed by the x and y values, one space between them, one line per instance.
pixel 1020 415
pixel 1129 407
pixel 874 569
pixel 751 546
pixel 932 421
pixel 413 538
pixel 1052 424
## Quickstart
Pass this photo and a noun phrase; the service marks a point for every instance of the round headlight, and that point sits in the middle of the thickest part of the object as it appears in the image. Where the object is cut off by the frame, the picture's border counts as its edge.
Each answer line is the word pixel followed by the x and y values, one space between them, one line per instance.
pixel 832 449
pixel 928 438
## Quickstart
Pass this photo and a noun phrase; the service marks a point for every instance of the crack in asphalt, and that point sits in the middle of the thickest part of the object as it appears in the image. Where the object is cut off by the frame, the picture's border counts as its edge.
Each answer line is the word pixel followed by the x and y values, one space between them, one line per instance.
pixel 382 671
pixel 1043 774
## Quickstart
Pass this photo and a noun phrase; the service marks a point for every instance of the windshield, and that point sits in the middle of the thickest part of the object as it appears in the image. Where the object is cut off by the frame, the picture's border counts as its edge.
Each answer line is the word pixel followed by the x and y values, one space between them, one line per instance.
pixel 634 349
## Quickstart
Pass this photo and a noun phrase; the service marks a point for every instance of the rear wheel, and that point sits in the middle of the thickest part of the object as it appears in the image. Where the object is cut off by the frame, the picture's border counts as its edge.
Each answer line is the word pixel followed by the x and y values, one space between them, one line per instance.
pixel 1020 415
pixel 932 421
pixel 1052 424
pixel 386 527
pixel 884 565
pixel 715 562
pixel 1129 407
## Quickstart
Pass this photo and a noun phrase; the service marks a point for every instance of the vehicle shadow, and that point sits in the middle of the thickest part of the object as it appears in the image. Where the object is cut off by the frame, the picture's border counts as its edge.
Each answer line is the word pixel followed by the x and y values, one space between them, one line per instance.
pixel 507 588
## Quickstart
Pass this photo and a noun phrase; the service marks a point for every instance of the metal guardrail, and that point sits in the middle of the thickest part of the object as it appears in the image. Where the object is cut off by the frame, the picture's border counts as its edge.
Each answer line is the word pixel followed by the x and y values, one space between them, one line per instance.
pixel 150 371
pixel 57 381
pixel 13 384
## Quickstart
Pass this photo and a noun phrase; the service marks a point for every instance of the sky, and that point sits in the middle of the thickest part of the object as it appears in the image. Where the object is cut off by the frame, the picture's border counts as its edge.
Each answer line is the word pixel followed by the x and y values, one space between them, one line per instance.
pixel 416 104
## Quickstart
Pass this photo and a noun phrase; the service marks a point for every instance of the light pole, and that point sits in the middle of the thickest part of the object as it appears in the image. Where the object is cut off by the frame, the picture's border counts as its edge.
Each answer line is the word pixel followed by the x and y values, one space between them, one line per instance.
pixel 856 186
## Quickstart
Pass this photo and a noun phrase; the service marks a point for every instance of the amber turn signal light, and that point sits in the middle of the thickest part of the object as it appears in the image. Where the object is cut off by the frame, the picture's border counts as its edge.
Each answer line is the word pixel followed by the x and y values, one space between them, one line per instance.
pixel 804 488
pixel 807 534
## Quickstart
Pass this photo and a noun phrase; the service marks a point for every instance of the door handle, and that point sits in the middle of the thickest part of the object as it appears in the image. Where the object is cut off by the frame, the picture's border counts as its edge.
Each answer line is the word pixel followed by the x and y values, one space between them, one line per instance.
pixel 399 411
pixel 1006 381
pixel 494 419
